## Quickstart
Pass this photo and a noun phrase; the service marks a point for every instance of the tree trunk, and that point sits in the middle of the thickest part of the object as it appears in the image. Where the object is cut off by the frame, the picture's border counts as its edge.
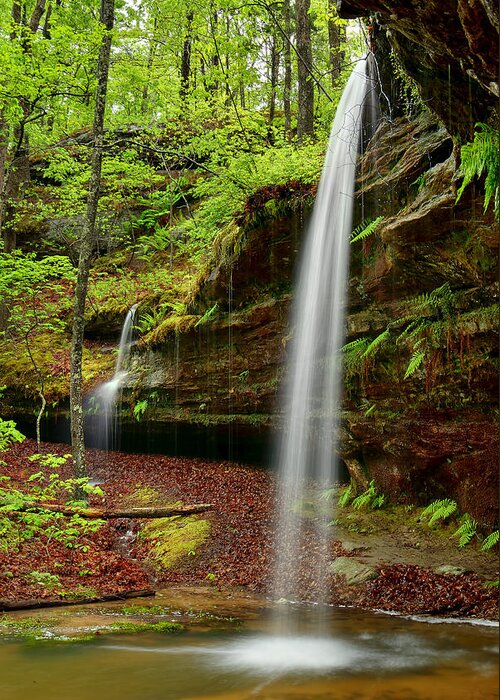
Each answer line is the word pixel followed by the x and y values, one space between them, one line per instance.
pixel 287 58
pixel 87 243
pixel 336 35
pixel 305 111
pixel 149 66
pixel 186 56
pixel 275 63
pixel 36 603
pixel 134 513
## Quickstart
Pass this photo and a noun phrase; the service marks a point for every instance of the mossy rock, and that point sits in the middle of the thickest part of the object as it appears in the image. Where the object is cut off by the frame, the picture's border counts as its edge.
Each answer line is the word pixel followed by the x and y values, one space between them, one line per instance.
pixel 174 538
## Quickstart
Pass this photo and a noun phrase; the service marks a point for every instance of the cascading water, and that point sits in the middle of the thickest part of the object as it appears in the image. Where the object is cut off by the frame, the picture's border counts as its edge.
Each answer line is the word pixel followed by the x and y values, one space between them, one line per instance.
pixel 308 445
pixel 106 395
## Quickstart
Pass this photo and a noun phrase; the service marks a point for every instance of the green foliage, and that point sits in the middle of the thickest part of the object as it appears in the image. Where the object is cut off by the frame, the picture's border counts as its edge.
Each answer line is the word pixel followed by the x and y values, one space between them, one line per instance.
pixel 416 360
pixel 23 518
pixel 482 156
pixel 207 315
pixel 365 229
pixel 45 579
pixel 438 510
pixel 140 409
pixel 346 496
pixel 9 434
pixel 369 498
pixel 490 541
pixel 466 530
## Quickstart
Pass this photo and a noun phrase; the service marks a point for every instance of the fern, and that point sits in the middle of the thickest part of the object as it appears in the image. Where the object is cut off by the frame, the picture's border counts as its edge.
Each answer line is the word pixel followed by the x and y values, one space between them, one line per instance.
pixel 490 541
pixel 375 343
pixel 466 531
pixel 365 229
pixel 207 315
pixel 346 496
pixel 439 510
pixel 353 354
pixel 416 360
pixel 482 156
pixel 369 498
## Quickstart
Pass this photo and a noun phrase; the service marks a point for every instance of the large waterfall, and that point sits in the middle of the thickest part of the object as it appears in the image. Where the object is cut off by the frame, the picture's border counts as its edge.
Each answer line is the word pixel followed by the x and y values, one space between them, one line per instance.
pixel 308 445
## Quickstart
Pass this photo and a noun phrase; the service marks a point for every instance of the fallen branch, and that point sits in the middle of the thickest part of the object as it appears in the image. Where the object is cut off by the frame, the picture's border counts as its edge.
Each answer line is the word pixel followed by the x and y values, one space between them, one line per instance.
pixel 90 513
pixel 35 603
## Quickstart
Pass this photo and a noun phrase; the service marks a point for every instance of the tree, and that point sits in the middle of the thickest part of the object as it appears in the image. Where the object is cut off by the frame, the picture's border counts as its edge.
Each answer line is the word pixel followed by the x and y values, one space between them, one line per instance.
pixel 87 242
pixel 305 107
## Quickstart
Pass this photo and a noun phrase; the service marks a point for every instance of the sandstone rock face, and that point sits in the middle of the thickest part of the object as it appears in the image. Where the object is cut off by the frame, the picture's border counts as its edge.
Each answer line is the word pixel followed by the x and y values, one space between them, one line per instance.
pixel 450 49
pixel 434 433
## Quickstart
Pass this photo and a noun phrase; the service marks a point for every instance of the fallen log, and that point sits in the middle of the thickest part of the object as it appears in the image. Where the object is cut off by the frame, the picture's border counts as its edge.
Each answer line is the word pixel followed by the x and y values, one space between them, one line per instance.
pixel 90 513
pixel 36 603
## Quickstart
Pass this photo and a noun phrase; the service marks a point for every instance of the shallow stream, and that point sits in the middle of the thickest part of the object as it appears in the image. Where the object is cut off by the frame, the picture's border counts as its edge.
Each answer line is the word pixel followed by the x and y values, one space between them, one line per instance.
pixel 367 656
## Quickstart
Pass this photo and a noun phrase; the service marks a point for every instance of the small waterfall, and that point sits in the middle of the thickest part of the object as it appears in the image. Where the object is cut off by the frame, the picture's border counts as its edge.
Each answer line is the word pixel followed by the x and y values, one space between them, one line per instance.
pixel 107 395
pixel 308 445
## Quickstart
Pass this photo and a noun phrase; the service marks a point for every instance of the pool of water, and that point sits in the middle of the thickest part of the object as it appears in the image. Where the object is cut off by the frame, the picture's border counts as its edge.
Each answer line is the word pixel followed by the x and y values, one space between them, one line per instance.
pixel 364 656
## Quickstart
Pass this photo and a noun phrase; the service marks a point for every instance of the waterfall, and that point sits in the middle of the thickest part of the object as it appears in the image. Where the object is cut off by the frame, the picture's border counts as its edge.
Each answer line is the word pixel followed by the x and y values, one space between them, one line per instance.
pixel 308 445
pixel 107 395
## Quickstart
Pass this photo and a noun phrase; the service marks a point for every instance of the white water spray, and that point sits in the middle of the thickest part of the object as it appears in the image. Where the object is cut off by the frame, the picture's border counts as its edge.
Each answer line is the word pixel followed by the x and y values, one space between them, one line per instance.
pixel 107 395
pixel 309 442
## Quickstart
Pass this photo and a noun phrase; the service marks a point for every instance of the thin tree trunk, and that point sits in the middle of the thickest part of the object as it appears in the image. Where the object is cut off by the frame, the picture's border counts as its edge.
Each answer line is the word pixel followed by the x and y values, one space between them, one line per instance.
pixel 336 34
pixel 87 243
pixel 287 58
pixel 305 111
pixel 186 56
pixel 3 167
pixel 275 63
pixel 131 513
pixel 149 66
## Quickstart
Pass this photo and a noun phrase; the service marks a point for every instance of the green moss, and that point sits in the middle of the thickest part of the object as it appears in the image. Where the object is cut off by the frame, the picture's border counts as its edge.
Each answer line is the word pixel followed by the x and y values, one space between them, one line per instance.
pixel 146 610
pixel 143 496
pixel 171 325
pixel 132 627
pixel 30 628
pixel 173 538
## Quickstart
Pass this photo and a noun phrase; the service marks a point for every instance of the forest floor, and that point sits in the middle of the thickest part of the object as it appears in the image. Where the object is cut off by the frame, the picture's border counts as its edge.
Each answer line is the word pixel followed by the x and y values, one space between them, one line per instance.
pixel 229 548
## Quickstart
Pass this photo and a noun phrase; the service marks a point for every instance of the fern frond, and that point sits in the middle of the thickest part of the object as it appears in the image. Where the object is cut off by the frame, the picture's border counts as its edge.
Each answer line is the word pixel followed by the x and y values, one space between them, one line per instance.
pixel 207 315
pixel 375 343
pixel 346 496
pixel 365 229
pixel 353 354
pixel 490 541
pixel 439 510
pixel 369 498
pixel 466 531
pixel 416 360
pixel 479 156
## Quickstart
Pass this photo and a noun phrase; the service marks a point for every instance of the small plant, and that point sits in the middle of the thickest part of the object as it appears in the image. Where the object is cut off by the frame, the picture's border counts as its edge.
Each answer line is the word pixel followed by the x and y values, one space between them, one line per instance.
pixel 140 409
pixel 207 315
pixel 365 229
pixel 369 498
pixel 346 496
pixel 466 531
pixel 438 510
pixel 45 579
pixel 490 541
pixel 482 156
